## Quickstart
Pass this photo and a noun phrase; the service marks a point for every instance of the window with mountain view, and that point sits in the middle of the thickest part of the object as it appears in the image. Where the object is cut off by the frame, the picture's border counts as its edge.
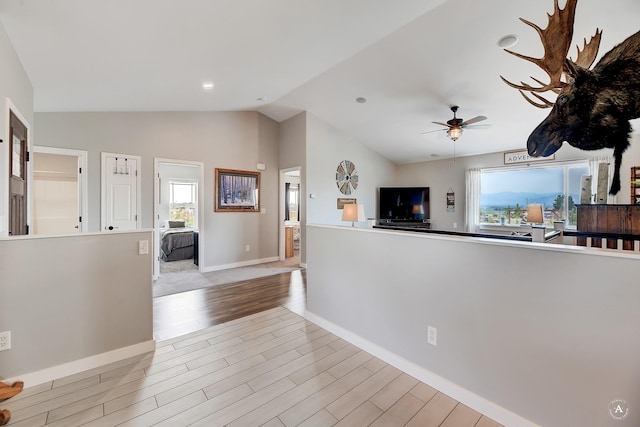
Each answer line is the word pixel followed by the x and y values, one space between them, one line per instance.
pixel 506 193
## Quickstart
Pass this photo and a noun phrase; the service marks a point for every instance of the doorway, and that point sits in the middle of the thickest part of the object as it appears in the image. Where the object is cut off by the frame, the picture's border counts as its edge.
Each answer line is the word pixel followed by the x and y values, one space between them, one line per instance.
pixel 290 216
pixel 59 191
pixel 178 216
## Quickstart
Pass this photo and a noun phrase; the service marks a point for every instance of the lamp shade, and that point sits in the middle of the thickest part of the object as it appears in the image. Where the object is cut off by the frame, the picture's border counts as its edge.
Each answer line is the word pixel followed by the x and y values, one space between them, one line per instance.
pixel 353 212
pixel 418 209
pixel 534 214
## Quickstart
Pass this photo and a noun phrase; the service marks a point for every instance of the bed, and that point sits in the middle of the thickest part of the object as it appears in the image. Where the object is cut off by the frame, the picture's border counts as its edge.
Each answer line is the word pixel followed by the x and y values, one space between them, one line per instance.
pixel 176 242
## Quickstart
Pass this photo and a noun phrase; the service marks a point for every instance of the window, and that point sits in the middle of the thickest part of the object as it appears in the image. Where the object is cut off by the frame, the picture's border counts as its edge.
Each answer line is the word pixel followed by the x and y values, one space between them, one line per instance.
pixel 183 201
pixel 506 193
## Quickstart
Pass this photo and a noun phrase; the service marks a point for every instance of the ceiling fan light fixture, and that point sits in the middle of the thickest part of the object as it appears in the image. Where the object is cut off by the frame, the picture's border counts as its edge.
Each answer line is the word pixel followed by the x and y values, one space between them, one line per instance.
pixel 454 132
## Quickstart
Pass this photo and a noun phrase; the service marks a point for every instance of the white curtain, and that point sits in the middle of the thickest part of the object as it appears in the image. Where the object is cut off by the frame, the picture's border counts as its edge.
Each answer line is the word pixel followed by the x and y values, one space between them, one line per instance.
pixel 472 205
pixel 593 171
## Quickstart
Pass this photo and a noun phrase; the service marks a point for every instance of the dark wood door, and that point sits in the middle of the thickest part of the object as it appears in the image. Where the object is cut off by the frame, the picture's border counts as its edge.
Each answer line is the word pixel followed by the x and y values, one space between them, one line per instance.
pixel 18 157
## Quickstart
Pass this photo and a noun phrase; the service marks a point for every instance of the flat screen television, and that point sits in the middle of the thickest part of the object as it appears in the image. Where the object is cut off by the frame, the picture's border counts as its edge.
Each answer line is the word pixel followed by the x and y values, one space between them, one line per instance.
pixel 403 204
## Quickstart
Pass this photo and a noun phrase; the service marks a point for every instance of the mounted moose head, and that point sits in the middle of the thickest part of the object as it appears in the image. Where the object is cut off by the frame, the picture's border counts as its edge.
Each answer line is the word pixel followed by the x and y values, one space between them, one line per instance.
pixel 593 107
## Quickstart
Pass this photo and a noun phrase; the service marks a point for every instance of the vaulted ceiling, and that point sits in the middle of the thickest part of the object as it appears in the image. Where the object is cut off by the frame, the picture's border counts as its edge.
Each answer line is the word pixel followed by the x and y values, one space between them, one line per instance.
pixel 410 59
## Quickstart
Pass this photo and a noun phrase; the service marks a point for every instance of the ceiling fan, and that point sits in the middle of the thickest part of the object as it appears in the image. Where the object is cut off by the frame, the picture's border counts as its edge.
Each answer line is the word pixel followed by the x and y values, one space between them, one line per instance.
pixel 454 126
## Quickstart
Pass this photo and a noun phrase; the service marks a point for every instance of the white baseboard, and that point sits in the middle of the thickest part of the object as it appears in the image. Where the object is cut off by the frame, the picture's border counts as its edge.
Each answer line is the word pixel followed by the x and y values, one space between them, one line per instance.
pixel 60 371
pixel 462 395
pixel 240 264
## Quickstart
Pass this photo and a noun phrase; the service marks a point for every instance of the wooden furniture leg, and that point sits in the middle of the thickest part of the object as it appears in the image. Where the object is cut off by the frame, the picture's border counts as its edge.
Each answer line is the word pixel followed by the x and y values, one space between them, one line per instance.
pixel 5 416
pixel 7 391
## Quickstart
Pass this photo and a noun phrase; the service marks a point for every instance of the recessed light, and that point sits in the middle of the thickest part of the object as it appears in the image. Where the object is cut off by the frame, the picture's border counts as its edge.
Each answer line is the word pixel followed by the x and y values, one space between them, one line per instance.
pixel 207 85
pixel 261 99
pixel 361 100
pixel 508 41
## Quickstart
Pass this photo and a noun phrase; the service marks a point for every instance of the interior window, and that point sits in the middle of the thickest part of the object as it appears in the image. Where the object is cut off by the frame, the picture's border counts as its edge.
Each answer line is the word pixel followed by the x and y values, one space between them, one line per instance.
pixel 183 201
pixel 506 193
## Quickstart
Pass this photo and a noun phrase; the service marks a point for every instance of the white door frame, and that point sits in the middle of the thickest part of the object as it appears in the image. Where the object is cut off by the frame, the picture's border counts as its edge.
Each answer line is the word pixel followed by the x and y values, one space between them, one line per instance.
pixel 103 187
pixel 156 214
pixel 281 242
pixel 83 180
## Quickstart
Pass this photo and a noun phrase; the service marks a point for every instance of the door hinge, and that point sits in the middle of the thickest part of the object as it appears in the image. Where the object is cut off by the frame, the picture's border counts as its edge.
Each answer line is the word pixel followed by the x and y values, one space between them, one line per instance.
pixel 79 170
pixel 136 172
pixel 27 227
pixel 136 217
pixel 27 156
pixel 79 219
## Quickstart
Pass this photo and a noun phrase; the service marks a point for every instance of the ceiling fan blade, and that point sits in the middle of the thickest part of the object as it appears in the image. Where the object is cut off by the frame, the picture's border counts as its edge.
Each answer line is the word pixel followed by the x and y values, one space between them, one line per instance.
pixel 484 126
pixel 474 120
pixel 442 124
pixel 432 131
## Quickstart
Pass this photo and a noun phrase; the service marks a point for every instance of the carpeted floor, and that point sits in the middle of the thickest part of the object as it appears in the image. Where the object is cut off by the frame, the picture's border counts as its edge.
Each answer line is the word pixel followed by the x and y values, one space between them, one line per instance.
pixel 182 276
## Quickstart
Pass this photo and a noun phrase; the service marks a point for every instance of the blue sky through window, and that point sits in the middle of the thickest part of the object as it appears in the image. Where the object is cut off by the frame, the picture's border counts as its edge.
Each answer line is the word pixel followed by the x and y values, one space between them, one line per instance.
pixel 535 185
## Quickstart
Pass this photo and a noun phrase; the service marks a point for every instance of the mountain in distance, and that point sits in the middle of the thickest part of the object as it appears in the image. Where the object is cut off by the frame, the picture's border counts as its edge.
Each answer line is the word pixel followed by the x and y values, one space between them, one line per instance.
pixel 510 198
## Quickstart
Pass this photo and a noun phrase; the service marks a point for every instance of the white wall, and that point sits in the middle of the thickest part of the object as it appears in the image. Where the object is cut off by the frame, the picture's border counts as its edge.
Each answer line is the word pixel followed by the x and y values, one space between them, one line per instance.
pixel 440 175
pixel 16 87
pixel 547 332
pixel 326 148
pixel 90 294
pixel 231 140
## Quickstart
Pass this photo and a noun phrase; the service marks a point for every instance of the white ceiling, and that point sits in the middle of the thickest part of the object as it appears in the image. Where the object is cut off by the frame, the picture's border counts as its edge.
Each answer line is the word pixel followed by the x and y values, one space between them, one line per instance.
pixel 411 59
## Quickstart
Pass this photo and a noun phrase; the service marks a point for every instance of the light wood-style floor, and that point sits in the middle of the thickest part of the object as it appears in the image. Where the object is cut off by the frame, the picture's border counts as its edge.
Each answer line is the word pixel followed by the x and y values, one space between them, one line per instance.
pixel 270 368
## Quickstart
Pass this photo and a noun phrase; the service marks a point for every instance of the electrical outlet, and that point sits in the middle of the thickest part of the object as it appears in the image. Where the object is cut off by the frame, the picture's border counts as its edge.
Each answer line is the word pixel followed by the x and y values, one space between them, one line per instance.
pixel 432 335
pixel 247 248
pixel 5 340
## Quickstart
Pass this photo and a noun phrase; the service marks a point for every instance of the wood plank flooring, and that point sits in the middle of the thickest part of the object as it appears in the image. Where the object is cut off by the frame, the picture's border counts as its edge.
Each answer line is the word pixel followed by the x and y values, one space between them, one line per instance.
pixel 270 368
pixel 179 314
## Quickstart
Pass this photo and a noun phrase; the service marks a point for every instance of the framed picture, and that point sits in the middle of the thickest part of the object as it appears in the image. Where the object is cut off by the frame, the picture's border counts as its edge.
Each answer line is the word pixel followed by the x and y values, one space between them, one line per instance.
pixel 237 191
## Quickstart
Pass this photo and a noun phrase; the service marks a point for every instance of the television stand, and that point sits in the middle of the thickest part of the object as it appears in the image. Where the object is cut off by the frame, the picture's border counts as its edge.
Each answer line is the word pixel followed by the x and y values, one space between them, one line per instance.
pixel 407 224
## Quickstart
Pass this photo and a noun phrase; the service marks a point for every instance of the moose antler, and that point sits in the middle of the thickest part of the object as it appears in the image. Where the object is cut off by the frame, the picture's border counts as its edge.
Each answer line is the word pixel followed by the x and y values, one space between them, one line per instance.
pixel 556 40
pixel 588 54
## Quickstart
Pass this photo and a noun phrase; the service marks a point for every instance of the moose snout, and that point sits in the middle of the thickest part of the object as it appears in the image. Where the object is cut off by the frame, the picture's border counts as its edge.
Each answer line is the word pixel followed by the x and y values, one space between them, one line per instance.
pixel 542 143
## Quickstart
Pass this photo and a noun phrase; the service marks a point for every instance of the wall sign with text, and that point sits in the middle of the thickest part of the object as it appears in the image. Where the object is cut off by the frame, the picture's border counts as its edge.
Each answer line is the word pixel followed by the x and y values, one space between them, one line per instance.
pixel 522 156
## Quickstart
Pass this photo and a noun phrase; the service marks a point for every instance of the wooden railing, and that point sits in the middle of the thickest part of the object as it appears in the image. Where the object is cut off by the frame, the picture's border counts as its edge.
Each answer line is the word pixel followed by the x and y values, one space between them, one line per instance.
pixel 624 242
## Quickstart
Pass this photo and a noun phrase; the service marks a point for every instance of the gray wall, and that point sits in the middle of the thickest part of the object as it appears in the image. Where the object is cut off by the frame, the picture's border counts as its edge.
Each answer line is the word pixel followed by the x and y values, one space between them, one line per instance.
pixel 326 148
pixel 230 140
pixel 546 331
pixel 15 86
pixel 90 294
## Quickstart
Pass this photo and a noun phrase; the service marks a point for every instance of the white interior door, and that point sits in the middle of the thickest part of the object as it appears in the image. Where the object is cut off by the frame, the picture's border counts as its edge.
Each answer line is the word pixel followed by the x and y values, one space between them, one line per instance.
pixel 120 192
